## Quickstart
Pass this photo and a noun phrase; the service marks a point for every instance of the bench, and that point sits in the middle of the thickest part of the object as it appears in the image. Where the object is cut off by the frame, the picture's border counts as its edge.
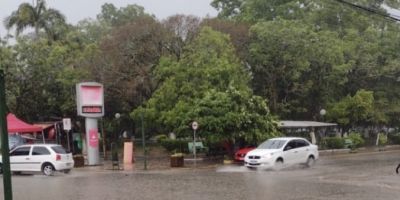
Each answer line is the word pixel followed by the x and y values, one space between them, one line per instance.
pixel 199 147
pixel 348 143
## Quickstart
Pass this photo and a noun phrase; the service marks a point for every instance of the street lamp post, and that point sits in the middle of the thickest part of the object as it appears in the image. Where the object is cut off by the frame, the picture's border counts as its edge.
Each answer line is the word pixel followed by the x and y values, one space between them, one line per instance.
pixel 114 145
pixel 117 117
pixel 322 112
pixel 195 125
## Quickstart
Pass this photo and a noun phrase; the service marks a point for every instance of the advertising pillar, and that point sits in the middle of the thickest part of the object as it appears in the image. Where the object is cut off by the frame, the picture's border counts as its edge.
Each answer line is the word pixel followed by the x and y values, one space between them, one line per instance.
pixel 92 140
pixel 90 104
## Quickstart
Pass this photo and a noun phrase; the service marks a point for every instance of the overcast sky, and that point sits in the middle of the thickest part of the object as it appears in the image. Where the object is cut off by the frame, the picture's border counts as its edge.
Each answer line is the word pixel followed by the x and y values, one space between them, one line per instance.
pixel 76 10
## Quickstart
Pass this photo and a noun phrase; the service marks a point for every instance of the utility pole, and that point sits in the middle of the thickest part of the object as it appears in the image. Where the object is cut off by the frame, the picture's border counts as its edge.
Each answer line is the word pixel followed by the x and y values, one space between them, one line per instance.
pixel 4 142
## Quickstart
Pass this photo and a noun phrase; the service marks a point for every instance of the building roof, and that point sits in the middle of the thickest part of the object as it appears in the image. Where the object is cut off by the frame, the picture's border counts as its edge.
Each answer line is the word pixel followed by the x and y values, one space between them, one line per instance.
pixel 303 124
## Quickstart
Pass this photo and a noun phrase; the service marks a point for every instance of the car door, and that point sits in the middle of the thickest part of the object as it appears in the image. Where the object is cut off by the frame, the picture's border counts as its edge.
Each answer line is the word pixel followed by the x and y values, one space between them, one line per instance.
pixel 303 149
pixel 290 152
pixel 39 155
pixel 20 159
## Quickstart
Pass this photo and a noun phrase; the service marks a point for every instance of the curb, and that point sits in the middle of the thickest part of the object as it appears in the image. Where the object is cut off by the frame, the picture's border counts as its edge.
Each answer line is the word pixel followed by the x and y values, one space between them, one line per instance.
pixel 359 150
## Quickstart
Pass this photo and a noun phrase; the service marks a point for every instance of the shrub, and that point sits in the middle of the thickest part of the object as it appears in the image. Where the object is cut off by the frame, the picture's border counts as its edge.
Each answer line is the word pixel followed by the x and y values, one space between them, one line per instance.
pixel 356 138
pixel 333 142
pixel 215 148
pixel 175 145
pixel 383 139
pixel 394 138
pixel 160 138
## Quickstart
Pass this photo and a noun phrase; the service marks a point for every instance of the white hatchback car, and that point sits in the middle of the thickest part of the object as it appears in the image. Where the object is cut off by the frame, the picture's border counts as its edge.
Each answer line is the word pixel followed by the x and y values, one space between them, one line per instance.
pixel 278 152
pixel 46 158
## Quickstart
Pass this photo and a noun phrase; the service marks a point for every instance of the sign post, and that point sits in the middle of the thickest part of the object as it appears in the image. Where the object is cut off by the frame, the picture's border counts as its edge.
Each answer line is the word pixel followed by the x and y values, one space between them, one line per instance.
pixel 67 128
pixel 90 104
pixel 195 126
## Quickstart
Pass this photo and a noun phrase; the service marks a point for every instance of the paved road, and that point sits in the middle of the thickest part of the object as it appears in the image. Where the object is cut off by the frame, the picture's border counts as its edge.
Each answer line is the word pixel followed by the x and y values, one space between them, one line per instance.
pixel 351 176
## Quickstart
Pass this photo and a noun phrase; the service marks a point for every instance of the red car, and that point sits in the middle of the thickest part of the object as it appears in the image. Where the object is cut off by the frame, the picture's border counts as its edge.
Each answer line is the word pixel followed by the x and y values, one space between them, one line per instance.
pixel 241 153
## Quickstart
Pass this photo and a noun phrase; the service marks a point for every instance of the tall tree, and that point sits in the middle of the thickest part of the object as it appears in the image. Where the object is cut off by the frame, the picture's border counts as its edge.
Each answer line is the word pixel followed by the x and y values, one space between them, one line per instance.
pixel 181 30
pixel 295 67
pixel 211 86
pixel 125 61
pixel 117 17
pixel 37 16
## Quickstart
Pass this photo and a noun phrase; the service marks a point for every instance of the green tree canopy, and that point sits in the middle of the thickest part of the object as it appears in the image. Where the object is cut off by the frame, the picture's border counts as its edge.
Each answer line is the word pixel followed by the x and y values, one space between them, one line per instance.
pixel 353 110
pixel 297 68
pixel 210 86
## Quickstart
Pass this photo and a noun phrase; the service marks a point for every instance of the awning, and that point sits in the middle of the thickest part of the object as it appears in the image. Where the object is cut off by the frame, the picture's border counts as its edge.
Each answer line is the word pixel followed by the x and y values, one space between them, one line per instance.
pixel 303 124
pixel 28 136
pixel 44 125
pixel 15 125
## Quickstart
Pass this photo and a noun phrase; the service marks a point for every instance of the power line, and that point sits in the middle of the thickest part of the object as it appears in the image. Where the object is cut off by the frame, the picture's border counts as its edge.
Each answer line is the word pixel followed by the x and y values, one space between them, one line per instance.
pixel 374 11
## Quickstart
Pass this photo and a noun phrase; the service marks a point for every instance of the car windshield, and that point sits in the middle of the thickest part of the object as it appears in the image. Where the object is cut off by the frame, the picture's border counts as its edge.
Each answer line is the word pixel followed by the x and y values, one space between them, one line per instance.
pixel 271 144
pixel 59 149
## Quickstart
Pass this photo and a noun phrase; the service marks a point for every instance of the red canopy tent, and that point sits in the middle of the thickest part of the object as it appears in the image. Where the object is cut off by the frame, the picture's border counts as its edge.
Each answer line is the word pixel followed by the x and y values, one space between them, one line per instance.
pixel 16 125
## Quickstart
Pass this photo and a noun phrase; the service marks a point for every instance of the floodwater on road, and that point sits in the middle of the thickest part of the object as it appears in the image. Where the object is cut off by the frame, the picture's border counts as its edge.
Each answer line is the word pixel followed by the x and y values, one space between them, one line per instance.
pixel 350 176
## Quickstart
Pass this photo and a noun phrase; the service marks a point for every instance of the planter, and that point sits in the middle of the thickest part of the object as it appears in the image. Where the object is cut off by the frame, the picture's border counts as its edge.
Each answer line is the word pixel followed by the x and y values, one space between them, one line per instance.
pixel 228 162
pixel 177 160
pixel 79 161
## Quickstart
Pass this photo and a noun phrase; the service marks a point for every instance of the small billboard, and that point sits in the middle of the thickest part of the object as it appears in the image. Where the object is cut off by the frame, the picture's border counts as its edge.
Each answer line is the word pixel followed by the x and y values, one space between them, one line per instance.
pixel 90 99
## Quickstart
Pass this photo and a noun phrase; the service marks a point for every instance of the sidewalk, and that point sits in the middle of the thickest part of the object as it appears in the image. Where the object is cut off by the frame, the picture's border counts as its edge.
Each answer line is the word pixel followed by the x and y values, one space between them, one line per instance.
pixel 154 163
pixel 157 163
pixel 359 150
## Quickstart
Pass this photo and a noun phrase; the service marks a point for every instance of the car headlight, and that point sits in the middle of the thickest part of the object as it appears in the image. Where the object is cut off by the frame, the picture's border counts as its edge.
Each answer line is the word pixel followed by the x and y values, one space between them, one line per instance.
pixel 266 156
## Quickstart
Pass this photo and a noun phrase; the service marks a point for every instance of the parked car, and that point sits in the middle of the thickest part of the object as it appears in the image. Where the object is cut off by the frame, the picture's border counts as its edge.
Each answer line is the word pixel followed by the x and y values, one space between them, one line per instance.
pixel 278 152
pixel 241 153
pixel 46 158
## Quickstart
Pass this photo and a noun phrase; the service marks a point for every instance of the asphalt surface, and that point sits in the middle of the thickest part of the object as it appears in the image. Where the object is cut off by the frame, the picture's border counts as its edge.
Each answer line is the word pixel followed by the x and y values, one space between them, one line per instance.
pixel 349 176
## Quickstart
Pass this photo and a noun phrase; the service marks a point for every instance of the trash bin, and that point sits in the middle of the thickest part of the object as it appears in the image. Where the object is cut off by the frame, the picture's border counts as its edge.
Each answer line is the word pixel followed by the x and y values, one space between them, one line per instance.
pixel 177 160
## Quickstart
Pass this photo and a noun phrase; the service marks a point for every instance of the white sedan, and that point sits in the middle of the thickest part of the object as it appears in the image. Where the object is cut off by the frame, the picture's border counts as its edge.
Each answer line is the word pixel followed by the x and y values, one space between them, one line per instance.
pixel 278 152
pixel 46 158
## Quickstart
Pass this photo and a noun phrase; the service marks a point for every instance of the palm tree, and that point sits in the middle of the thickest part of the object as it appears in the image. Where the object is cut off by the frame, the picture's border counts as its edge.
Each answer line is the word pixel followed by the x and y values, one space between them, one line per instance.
pixel 36 16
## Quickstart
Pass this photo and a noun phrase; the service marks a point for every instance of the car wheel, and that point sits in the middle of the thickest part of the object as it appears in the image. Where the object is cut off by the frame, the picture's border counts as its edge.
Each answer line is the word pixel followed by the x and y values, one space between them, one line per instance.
pixel 310 161
pixel 278 164
pixel 48 169
pixel 67 171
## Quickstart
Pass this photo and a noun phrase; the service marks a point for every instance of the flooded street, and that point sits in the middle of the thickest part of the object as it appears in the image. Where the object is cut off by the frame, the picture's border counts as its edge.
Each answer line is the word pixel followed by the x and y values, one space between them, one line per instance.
pixel 348 176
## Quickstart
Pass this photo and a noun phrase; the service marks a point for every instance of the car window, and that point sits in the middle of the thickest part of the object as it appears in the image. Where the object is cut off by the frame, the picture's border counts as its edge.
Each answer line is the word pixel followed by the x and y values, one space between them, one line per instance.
pixel 59 149
pixel 301 143
pixel 272 144
pixel 22 151
pixel 291 145
pixel 40 151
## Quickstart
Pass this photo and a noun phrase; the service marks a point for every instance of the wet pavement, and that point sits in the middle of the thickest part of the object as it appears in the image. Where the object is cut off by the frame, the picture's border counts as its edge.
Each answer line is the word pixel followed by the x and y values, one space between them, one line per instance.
pixel 348 176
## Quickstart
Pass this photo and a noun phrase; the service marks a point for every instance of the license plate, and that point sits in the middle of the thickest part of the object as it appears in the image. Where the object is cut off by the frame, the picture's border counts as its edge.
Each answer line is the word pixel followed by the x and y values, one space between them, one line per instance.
pixel 253 161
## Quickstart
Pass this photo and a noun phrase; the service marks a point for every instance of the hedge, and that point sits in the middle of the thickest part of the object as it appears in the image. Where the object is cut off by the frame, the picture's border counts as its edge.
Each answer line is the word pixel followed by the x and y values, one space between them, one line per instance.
pixel 333 143
pixel 175 145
